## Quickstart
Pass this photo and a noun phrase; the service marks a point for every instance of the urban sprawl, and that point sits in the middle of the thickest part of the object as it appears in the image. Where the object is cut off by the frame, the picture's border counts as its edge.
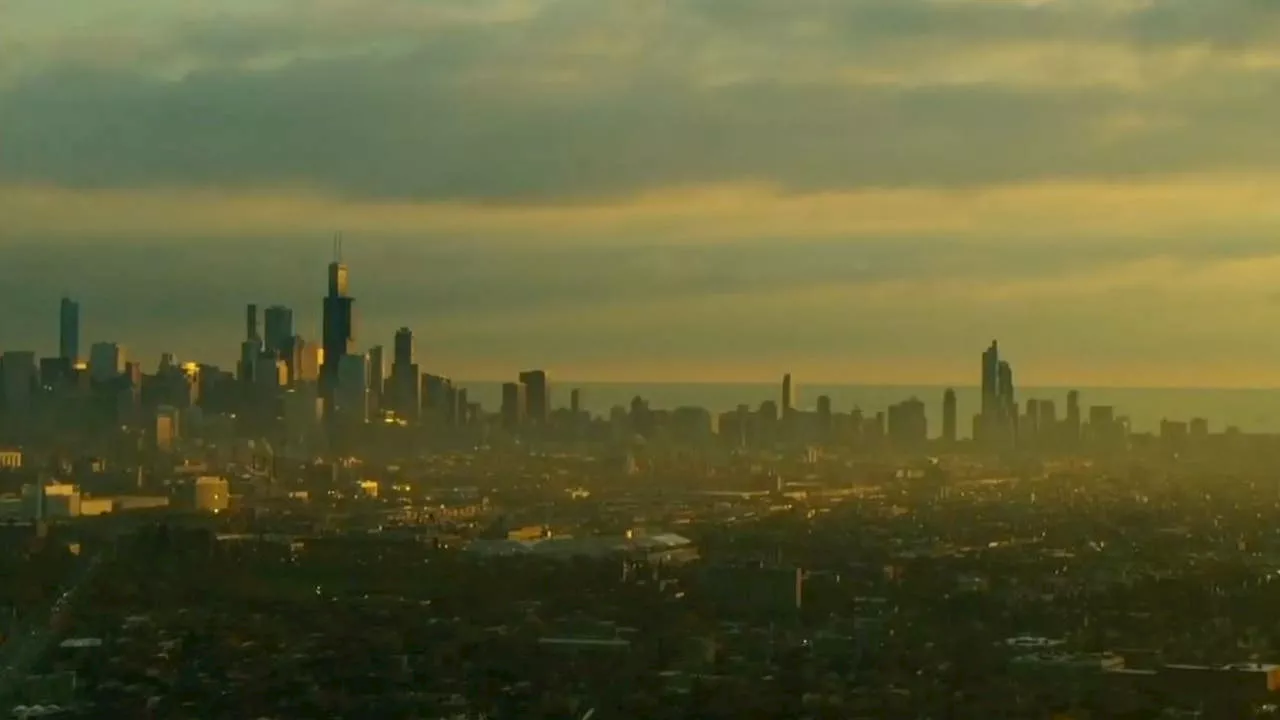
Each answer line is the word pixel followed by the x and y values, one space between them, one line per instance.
pixel 328 533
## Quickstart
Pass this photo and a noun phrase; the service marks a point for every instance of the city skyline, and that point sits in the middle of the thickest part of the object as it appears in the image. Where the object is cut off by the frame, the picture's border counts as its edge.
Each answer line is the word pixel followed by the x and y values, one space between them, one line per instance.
pixel 662 359
pixel 69 320
pixel 561 183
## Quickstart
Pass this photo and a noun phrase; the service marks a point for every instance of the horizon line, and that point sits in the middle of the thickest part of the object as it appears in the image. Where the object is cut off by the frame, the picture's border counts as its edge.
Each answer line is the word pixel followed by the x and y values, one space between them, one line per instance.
pixel 838 383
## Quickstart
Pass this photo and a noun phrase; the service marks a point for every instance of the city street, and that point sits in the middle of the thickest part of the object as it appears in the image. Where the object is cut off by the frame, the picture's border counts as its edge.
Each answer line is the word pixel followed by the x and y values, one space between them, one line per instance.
pixel 33 638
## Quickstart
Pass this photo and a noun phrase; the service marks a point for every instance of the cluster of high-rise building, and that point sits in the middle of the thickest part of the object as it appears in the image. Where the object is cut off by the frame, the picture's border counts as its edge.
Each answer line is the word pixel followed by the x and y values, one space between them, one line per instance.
pixel 1002 424
pixel 903 425
pixel 997 421
pixel 287 386
pixel 286 377
pixel 527 401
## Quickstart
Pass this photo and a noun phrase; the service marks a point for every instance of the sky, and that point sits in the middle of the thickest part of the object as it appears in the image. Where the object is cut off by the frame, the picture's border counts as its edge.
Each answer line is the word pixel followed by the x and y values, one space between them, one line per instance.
pixel 862 191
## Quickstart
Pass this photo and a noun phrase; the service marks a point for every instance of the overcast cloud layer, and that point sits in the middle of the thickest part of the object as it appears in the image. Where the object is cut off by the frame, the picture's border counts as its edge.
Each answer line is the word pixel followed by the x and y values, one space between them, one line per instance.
pixel 861 190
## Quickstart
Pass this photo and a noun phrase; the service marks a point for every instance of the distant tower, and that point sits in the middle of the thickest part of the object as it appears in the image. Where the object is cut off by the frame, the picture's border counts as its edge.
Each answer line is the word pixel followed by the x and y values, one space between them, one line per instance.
pixel 949 416
pixel 575 400
pixel 1072 430
pixel 251 323
pixel 514 402
pixel 338 320
pixel 351 396
pixel 998 422
pixel 403 351
pixel 277 322
pixel 1008 400
pixel 377 377
pixel 69 330
pixel 537 395
pixel 991 381
pixel 106 361
pixel 403 390
pixel 788 396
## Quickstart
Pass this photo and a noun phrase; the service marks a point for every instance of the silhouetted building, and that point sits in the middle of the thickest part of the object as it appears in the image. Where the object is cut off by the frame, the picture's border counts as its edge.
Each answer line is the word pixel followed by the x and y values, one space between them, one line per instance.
pixel 1199 428
pixel 249 351
pixel 513 405
pixel 1071 427
pixel 1047 425
pixel 1106 432
pixel 69 330
pixel 403 391
pixel 907 426
pixel 277 323
pixel 439 400
pixel 575 401
pixel 997 423
pixel 57 372
pixel 402 353
pixel 251 323
pixel 106 361
pixel 303 360
pixel 768 412
pixel 991 381
pixel 463 413
pixel 351 394
pixel 377 378
pixel 338 322
pixel 788 396
pixel 949 413
pixel 1008 399
pixel 537 396
pixel 824 416
pixel 1173 435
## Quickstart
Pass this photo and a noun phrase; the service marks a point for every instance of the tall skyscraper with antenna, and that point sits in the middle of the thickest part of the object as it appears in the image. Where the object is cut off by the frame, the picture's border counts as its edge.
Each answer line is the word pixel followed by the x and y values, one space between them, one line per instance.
pixel 338 326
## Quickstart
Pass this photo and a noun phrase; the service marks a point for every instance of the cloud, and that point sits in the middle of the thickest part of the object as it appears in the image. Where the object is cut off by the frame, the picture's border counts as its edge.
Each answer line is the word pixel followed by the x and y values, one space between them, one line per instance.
pixel 1026 215
pixel 544 100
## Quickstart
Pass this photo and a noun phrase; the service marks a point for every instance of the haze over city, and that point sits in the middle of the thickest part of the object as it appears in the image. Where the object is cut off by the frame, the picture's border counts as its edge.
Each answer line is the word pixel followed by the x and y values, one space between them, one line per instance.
pixel 861 191
pixel 640 359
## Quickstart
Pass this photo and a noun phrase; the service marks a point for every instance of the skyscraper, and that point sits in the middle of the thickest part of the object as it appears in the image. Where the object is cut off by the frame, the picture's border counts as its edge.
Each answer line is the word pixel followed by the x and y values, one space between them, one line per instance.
pixel 351 394
pixel 1071 429
pixel 513 405
pixel 302 360
pixel 402 353
pixel 949 416
pixel 249 352
pixel 339 328
pixel 69 330
pixel 251 323
pixel 439 399
pixel 377 378
pixel 106 361
pixel 788 396
pixel 990 381
pixel 537 395
pixel 997 422
pixel 277 322
pixel 907 426
pixel 404 389
pixel 824 417
pixel 1008 405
